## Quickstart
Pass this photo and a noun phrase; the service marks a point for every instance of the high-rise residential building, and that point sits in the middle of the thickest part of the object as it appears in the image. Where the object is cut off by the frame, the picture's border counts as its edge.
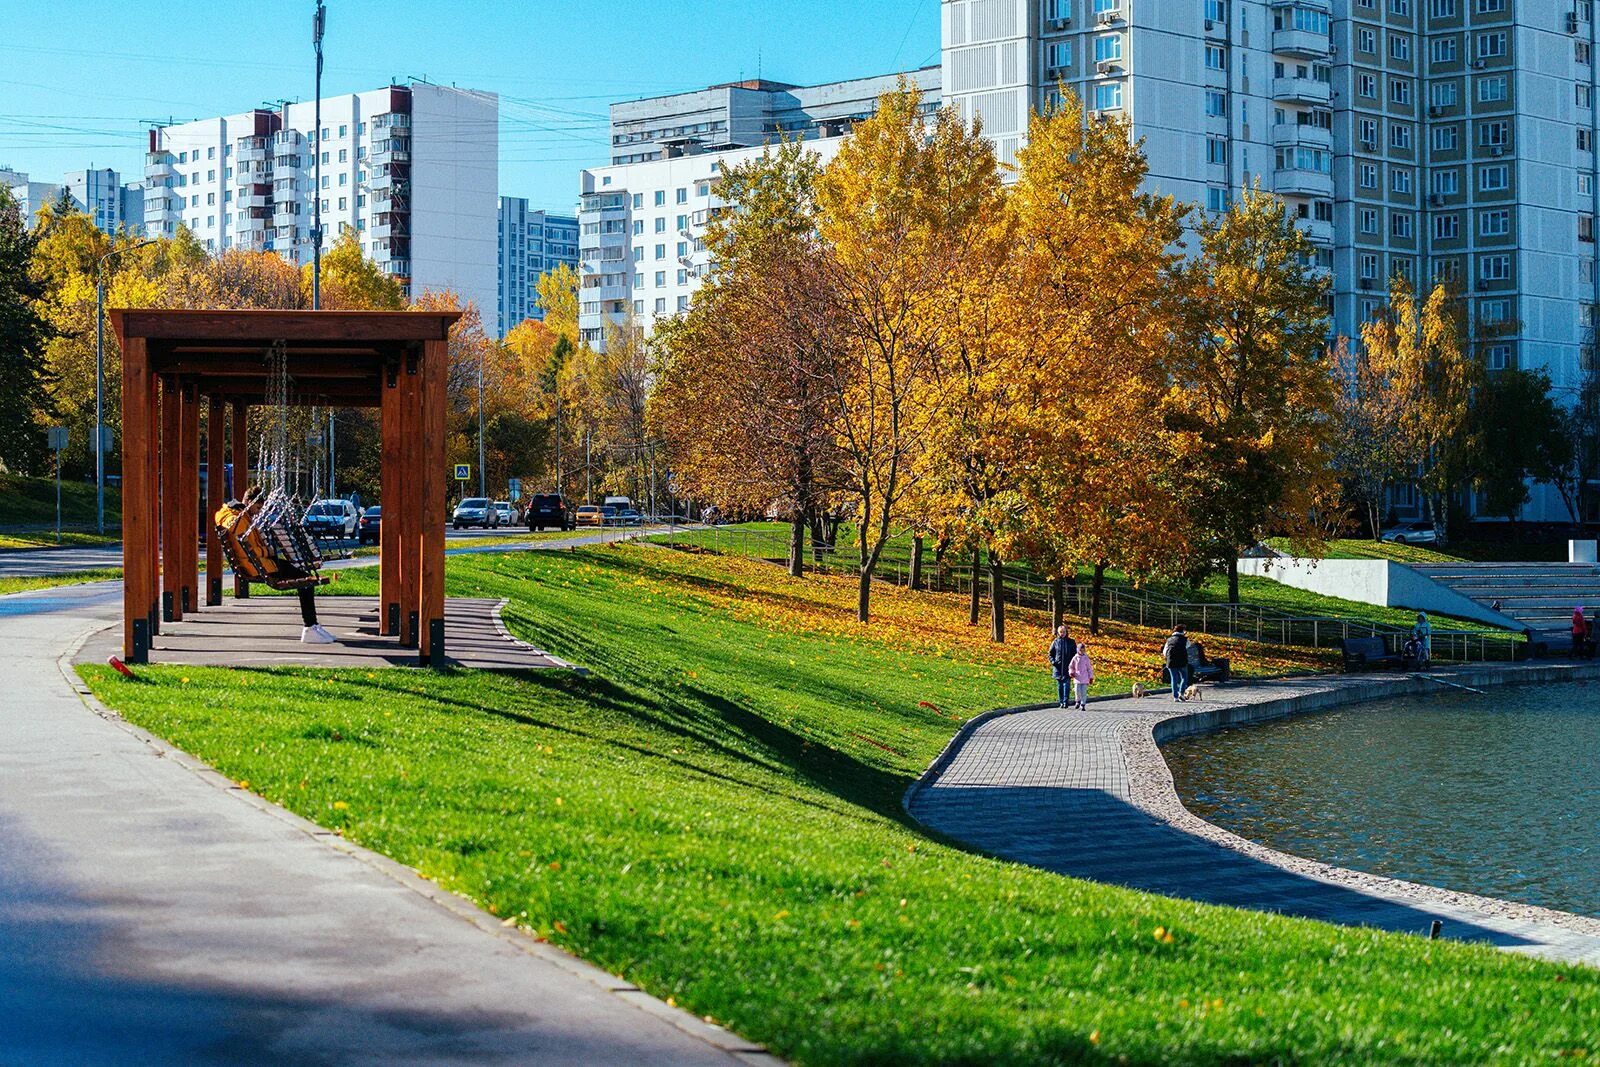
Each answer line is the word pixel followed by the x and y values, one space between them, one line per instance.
pixel 412 169
pixel 1426 139
pixel 641 247
pixel 100 193
pixel 532 242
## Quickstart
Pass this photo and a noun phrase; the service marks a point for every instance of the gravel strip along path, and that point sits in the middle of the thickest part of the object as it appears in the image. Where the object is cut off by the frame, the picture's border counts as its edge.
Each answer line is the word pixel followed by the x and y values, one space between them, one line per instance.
pixel 1088 794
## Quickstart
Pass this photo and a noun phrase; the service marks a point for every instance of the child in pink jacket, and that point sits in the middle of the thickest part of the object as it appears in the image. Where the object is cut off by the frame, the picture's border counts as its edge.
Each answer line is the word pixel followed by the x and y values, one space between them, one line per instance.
pixel 1081 671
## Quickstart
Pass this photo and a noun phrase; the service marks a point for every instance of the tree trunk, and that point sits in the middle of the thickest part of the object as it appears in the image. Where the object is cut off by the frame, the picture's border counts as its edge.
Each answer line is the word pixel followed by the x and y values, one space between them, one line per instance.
pixel 1058 602
pixel 976 598
pixel 916 562
pixel 864 596
pixel 1233 577
pixel 1094 597
pixel 797 544
pixel 997 599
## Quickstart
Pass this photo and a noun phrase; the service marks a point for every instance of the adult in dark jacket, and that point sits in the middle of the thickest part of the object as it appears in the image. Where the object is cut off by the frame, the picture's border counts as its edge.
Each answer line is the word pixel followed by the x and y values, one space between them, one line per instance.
pixel 1062 649
pixel 1175 654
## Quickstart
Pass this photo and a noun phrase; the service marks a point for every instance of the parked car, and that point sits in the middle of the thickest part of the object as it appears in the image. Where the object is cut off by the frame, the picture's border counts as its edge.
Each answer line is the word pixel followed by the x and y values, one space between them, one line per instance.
pixel 503 513
pixel 331 518
pixel 590 515
pixel 370 529
pixel 549 510
pixel 629 517
pixel 1412 533
pixel 474 511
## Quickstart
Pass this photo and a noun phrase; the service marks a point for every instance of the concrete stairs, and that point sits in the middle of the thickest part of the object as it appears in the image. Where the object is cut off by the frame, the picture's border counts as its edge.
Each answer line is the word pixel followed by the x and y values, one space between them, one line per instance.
pixel 1540 596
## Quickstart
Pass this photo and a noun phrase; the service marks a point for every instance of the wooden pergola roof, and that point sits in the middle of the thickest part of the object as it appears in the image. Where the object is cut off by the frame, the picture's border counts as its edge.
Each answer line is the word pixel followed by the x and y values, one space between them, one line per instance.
pixel 396 361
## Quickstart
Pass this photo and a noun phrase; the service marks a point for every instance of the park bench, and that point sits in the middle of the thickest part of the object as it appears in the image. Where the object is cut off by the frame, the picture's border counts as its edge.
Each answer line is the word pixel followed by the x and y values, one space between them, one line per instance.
pixel 1202 669
pixel 1363 653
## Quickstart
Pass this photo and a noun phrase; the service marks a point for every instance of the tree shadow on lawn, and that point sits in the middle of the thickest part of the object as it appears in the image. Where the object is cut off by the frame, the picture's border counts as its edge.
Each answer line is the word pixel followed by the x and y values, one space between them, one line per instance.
pixel 791 755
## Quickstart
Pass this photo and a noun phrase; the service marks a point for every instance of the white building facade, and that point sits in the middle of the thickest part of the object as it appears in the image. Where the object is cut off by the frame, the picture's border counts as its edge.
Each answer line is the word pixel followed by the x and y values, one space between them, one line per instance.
pixel 412 169
pixel 99 193
pixel 642 220
pixel 1429 139
pixel 531 243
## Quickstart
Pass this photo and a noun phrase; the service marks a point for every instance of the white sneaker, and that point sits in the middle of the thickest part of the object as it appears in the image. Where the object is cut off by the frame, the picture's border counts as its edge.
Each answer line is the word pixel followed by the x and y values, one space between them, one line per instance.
pixel 316 635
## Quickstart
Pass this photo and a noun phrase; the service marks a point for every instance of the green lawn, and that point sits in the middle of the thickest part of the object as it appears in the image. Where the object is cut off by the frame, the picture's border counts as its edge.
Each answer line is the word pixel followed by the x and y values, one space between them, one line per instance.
pixel 1363 548
pixel 31 502
pixel 715 814
pixel 50 581
pixel 28 539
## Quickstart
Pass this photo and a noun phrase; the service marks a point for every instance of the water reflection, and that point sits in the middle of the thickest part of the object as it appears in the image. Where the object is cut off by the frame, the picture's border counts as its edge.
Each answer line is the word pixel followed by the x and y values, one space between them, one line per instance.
pixel 1496 794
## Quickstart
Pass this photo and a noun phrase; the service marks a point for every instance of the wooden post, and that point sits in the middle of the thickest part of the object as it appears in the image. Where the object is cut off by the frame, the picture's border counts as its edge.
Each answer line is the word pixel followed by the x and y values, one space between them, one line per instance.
pixel 136 517
pixel 216 489
pixel 171 509
pixel 241 476
pixel 435 367
pixel 409 508
pixel 153 498
pixel 189 498
pixel 390 477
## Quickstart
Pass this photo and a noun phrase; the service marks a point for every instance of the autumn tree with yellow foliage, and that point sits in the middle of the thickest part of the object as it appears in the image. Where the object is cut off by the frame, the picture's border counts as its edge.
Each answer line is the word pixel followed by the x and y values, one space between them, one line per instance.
pixel 1251 384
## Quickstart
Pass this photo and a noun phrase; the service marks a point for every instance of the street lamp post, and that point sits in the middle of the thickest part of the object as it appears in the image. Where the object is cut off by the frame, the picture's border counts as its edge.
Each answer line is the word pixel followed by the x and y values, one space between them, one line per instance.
pixel 481 490
pixel 100 381
pixel 318 22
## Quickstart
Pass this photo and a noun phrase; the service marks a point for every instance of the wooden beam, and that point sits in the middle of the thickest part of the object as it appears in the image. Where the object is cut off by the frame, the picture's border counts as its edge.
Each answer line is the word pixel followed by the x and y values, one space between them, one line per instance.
pixel 216 490
pixel 391 475
pixel 358 366
pixel 264 327
pixel 171 509
pixel 241 473
pixel 409 428
pixel 136 516
pixel 435 371
pixel 189 473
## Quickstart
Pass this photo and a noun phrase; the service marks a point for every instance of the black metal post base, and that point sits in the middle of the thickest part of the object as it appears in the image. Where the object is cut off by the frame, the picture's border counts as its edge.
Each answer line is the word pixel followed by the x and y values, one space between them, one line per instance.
pixel 166 606
pixel 141 642
pixel 213 591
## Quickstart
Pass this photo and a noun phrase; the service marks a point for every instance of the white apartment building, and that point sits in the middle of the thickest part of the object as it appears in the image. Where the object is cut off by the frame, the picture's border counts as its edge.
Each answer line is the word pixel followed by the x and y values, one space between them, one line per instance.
pixel 413 169
pixel 1431 139
pixel 642 219
pixel 532 243
pixel 99 193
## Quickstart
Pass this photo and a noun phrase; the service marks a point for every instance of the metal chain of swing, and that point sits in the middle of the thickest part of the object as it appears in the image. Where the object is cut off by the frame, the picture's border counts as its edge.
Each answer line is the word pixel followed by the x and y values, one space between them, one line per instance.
pixel 282 511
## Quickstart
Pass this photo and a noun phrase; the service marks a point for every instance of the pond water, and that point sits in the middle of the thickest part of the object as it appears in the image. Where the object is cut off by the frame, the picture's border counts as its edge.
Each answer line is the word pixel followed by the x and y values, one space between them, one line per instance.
pixel 1496 794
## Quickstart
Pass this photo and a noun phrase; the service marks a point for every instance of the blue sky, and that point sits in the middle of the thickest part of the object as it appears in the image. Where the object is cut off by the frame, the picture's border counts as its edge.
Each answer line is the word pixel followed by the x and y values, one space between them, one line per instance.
pixel 79 80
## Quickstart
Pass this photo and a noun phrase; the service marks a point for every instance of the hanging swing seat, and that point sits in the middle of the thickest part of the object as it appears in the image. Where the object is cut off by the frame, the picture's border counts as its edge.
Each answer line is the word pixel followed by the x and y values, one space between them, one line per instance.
pixel 285 541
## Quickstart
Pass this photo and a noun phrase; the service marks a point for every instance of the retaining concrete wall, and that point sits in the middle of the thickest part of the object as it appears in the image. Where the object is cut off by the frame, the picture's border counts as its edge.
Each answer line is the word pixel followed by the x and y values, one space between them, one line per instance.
pixel 1373 581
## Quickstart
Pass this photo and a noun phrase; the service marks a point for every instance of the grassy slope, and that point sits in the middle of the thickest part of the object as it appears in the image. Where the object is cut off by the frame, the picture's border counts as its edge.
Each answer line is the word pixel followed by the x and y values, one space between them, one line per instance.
pixel 50 581
pixel 32 502
pixel 715 814
pixel 770 538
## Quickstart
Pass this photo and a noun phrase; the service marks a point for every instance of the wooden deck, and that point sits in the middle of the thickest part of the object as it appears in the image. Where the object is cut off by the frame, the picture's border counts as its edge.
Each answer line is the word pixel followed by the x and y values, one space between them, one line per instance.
pixel 264 631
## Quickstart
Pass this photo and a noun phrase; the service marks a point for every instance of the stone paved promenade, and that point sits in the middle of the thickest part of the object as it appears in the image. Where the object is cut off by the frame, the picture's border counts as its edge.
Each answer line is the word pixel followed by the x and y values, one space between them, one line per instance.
pixel 1087 794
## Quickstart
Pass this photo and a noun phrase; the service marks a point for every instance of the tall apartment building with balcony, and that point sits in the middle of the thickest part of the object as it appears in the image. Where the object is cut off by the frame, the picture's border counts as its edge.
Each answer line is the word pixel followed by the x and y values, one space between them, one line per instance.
pixel 413 169
pixel 1430 139
pixel 99 193
pixel 532 243
pixel 642 219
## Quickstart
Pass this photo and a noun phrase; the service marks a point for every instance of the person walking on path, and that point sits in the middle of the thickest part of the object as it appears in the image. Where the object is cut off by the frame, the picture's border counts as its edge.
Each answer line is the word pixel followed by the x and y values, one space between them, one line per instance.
pixel 1062 649
pixel 1423 632
pixel 1580 631
pixel 1082 672
pixel 1175 654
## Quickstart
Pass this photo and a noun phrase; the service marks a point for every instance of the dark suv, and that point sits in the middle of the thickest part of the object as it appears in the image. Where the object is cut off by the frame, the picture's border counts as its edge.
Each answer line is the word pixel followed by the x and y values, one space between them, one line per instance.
pixel 549 510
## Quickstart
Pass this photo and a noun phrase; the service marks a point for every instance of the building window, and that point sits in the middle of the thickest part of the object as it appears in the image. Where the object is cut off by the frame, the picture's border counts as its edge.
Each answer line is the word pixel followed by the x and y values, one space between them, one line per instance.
pixel 1446 227
pixel 1369 266
pixel 1369 133
pixel 1108 96
pixel 1058 55
pixel 1492 179
pixel 1108 48
pixel 1495 268
pixel 1367 85
pixel 1216 199
pixel 1400 136
pixel 1442 50
pixel 1216 104
pixel 1399 47
pixel 1492 135
pixel 1442 94
pixel 1369 221
pixel 1499 357
pixel 1215 58
pixel 1445 138
pixel 661 197
pixel 1492 89
pixel 1443 9
pixel 1401 225
pixel 1399 7
pixel 1369 175
pixel 1445 182
pixel 1366 41
pixel 1494 223
pixel 1400 90
pixel 1491 45
pixel 1400 180
pixel 1585 139
pixel 1216 150
pixel 1584 95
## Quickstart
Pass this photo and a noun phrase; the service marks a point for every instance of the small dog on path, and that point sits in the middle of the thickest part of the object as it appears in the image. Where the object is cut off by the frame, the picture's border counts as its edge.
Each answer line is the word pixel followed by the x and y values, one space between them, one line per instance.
pixel 1138 690
pixel 1194 692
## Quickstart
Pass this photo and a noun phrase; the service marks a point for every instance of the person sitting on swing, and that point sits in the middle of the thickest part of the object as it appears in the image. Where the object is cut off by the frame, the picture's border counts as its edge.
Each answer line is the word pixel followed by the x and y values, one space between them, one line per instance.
pixel 236 521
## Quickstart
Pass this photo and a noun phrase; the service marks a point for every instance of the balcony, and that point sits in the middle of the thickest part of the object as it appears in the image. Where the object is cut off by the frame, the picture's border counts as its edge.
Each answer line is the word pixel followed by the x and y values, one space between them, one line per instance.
pixel 1301 90
pixel 252 150
pixel 1291 181
pixel 389 176
pixel 1319 230
pixel 160 165
pixel 1305 44
pixel 254 195
pixel 391 120
pixel 161 205
pixel 390 150
pixel 1293 134
pixel 251 173
pixel 387 225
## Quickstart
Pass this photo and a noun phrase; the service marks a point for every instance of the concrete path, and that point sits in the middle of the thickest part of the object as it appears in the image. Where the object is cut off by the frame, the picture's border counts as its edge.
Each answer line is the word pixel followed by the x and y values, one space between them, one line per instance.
pixel 1087 794
pixel 150 912
pixel 33 562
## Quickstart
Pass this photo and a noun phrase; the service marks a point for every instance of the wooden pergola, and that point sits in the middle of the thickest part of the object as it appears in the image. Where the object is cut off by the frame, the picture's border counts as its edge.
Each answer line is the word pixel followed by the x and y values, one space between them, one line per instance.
pixel 175 361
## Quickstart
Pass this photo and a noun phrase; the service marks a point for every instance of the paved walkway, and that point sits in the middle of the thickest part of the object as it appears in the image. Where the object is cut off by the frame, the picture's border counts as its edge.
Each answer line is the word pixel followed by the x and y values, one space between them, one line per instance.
pixel 1087 794
pixel 152 913
pixel 33 562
